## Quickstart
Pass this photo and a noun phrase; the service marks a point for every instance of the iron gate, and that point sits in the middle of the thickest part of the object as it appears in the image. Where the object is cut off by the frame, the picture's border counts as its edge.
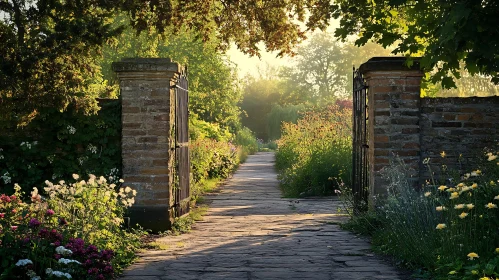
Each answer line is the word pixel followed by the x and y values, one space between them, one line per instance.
pixel 360 169
pixel 182 164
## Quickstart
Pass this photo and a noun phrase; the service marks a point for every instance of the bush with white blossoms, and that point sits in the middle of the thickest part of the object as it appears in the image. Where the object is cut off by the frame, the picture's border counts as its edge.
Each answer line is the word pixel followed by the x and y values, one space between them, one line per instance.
pixel 73 231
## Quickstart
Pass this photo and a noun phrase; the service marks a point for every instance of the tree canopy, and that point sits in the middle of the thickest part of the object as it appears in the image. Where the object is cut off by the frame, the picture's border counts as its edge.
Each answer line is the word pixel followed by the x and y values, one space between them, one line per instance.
pixel 49 47
pixel 445 33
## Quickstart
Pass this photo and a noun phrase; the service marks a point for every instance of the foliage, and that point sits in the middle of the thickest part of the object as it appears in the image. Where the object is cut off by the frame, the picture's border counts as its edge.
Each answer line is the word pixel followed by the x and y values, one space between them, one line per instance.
pixel 450 229
pixel 445 33
pixel 315 151
pixel 259 96
pixel 63 144
pixel 212 159
pixel 322 69
pixel 76 232
pixel 50 48
pixel 246 140
pixel 199 129
pixel 280 114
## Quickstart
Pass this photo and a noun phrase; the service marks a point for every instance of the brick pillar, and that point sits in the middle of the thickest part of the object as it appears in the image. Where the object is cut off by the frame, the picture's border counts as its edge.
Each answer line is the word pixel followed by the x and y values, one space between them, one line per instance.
pixel 148 114
pixel 394 111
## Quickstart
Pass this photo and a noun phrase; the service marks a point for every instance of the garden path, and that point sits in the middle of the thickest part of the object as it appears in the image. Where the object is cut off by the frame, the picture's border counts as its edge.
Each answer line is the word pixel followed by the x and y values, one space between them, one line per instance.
pixel 250 232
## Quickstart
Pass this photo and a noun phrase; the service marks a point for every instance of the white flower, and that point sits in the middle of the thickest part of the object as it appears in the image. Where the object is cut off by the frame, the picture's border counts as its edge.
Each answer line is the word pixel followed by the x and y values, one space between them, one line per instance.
pixel 134 192
pixel 128 189
pixel 23 262
pixel 63 251
pixel 91 148
pixel 71 129
pixel 66 261
pixel 57 273
pixel 76 176
pixel 121 181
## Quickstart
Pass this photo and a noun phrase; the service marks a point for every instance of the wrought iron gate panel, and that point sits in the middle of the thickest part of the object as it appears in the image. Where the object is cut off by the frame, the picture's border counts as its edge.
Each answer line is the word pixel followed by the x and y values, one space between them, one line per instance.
pixel 182 162
pixel 360 162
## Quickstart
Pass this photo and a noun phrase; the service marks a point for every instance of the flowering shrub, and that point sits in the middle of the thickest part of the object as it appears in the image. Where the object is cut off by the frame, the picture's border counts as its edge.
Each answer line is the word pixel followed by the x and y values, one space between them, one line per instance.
pixel 450 229
pixel 74 233
pixel 213 159
pixel 314 151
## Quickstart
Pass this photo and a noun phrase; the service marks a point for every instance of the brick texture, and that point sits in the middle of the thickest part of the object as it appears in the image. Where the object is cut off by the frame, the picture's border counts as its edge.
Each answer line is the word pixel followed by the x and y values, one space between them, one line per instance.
pixel 148 114
pixel 403 124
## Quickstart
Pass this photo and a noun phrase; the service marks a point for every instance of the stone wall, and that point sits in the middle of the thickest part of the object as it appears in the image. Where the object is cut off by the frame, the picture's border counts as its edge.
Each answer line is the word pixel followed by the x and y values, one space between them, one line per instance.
pixel 403 124
pixel 460 127
pixel 148 119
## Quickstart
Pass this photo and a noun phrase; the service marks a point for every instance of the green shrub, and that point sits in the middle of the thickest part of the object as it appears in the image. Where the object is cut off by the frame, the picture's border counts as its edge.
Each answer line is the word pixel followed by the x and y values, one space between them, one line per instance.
pixel 315 154
pixel 450 230
pixel 212 159
pixel 279 115
pixel 247 140
pixel 199 129
pixel 60 145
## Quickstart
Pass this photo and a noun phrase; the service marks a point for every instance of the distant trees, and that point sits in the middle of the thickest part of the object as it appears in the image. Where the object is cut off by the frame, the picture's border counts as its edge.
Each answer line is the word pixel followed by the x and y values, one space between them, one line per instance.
pixel 319 74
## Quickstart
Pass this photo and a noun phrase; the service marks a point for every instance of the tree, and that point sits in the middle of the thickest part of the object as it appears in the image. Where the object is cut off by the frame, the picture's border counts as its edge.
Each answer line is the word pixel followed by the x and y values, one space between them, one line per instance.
pixel 315 73
pixel 259 95
pixel 214 90
pixel 446 33
pixel 322 69
pixel 49 48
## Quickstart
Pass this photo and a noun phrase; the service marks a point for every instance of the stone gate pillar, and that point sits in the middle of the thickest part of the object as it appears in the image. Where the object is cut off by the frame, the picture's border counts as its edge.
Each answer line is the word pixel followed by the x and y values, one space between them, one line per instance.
pixel 394 109
pixel 148 114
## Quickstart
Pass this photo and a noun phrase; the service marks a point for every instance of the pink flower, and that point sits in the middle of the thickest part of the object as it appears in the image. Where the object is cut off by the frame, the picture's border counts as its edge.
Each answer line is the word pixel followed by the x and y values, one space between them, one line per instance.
pixel 14 211
pixel 2 215
pixel 50 212
pixel 13 227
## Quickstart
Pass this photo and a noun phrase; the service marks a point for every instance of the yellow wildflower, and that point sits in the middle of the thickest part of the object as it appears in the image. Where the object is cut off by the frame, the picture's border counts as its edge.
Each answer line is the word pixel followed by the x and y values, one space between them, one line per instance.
pixel 486 278
pixel 427 194
pixel 441 208
pixel 441 226
pixel 463 215
pixel 492 157
pixel 474 272
pixel 497 250
pixel 459 206
pixel 452 272
pixel 470 206
pixel 451 189
pixel 492 183
pixel 443 154
pixel 467 176
pixel 454 195
pixel 472 256
pixel 442 188
pixel 489 154
pixel 491 205
pixel 465 189
pixel 460 185
pixel 496 197
pixel 474 186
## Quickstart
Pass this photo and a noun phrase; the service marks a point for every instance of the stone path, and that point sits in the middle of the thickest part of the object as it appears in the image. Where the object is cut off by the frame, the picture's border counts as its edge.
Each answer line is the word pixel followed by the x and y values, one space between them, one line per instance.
pixel 250 232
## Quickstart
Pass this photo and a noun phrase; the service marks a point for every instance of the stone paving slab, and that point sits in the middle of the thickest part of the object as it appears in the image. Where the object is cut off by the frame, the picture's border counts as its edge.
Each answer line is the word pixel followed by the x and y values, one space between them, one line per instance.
pixel 251 233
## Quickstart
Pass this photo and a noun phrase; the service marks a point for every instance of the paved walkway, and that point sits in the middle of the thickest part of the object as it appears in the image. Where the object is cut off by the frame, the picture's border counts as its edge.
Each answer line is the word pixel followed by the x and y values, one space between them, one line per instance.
pixel 250 232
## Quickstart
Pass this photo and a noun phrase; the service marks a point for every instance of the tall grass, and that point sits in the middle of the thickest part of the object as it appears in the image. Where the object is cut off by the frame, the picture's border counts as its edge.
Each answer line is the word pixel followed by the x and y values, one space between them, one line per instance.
pixel 441 228
pixel 315 153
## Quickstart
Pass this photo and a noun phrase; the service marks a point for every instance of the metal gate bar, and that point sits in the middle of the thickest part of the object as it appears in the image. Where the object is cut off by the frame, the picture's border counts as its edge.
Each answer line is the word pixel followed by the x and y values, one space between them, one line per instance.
pixel 182 162
pixel 360 162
